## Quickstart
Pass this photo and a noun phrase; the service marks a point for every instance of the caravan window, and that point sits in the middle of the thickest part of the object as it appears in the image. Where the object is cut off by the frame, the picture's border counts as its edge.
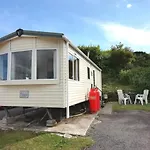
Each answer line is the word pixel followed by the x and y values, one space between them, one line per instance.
pixel 3 66
pixel 73 67
pixel 76 68
pixel 94 77
pixel 88 72
pixel 21 65
pixel 70 59
pixel 46 64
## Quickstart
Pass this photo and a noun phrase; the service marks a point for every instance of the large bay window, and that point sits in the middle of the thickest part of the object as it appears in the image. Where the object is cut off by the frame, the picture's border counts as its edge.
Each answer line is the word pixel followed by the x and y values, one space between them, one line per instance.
pixel 21 65
pixel 3 66
pixel 46 64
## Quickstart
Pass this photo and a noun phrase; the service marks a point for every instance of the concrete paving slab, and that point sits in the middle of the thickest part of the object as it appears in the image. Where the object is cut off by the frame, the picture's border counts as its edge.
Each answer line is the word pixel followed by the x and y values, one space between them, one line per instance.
pixel 107 110
pixel 74 126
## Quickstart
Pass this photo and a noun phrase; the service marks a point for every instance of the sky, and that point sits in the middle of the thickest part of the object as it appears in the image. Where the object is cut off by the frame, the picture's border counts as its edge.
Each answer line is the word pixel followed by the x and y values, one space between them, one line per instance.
pixel 84 22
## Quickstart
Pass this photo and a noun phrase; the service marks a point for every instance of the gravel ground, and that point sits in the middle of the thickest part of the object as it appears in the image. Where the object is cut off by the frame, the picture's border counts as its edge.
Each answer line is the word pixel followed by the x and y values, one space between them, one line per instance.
pixel 121 131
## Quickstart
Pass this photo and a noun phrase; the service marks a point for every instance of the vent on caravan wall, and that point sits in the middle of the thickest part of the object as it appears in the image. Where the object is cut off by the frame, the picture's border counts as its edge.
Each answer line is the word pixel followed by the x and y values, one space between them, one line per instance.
pixel 19 32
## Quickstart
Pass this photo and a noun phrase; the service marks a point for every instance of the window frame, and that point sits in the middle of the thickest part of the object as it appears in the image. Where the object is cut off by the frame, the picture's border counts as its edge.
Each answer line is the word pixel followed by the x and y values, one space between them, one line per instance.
pixel 72 66
pixel 5 53
pixel 10 67
pixel 33 79
pixel 77 67
pixel 88 73
pixel 94 78
pixel 55 65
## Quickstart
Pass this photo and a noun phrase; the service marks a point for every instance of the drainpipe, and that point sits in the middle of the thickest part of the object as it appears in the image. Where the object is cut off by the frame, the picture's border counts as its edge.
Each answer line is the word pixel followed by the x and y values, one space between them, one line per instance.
pixel 67 100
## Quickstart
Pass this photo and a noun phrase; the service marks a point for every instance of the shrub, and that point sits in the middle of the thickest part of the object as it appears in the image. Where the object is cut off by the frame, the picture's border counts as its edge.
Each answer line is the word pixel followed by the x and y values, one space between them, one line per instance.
pixel 125 76
pixel 138 77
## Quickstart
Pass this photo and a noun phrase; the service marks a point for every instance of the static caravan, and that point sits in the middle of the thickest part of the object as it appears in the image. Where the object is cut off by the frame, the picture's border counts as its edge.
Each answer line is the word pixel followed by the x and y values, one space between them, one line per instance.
pixel 44 69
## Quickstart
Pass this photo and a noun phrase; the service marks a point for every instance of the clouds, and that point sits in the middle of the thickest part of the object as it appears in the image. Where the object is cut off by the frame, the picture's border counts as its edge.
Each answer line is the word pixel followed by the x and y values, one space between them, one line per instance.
pixel 115 32
pixel 129 5
pixel 123 3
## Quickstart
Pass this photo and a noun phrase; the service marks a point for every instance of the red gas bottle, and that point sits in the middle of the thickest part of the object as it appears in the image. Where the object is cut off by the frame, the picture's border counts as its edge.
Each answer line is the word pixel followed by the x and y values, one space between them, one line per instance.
pixel 93 100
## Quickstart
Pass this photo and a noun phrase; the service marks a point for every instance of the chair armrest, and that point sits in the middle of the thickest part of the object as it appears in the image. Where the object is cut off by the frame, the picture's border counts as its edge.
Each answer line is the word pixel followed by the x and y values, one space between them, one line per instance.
pixel 139 95
pixel 126 95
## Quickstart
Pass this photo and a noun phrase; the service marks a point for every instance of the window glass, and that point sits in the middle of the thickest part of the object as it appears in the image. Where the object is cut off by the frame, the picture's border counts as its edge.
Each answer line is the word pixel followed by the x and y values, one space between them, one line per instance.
pixel 73 67
pixel 70 66
pixel 94 77
pixel 3 66
pixel 21 65
pixel 88 72
pixel 46 64
pixel 76 68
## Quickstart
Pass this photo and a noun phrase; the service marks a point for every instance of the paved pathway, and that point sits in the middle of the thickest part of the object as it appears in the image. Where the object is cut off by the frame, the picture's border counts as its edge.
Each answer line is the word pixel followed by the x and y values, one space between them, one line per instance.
pixel 121 131
pixel 107 109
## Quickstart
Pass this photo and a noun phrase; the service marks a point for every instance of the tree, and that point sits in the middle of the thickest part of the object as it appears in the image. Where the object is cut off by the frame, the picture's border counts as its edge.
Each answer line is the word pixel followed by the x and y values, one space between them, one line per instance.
pixel 94 53
pixel 105 61
pixel 120 58
pixel 137 77
pixel 142 59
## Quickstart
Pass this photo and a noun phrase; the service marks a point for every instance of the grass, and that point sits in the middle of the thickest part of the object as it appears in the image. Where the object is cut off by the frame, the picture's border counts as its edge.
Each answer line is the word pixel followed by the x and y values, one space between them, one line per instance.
pixel 21 140
pixel 117 107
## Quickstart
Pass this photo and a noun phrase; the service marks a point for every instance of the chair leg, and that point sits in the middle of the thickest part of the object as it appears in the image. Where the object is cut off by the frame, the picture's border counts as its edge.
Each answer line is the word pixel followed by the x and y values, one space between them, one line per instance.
pixel 130 101
pixel 125 102
pixel 119 102
pixel 135 101
pixel 141 102
pixel 146 102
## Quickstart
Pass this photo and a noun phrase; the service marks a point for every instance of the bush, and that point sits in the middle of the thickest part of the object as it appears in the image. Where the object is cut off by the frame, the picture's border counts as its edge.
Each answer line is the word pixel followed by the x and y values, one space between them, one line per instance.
pixel 125 76
pixel 112 97
pixel 138 77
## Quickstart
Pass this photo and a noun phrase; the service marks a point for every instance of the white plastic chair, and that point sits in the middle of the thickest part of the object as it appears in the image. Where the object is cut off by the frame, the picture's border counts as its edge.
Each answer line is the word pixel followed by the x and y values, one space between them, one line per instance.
pixel 123 97
pixel 142 97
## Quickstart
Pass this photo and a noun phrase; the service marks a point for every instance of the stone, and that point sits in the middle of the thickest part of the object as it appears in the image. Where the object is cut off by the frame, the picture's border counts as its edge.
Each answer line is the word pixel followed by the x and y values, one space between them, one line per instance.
pixel 51 123
pixel 68 136
pixel 59 134
pixel 97 122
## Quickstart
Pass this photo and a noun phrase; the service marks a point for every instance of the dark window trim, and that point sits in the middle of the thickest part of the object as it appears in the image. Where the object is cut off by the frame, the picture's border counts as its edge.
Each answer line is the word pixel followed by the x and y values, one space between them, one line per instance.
pixel 88 73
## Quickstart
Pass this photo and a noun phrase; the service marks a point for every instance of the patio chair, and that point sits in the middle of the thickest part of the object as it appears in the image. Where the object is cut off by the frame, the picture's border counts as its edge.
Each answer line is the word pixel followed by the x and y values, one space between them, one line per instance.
pixel 123 98
pixel 142 97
